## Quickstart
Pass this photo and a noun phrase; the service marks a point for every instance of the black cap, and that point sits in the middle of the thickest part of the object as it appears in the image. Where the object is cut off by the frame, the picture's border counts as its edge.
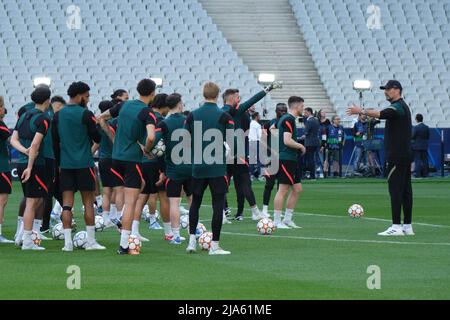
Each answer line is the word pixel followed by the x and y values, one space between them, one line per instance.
pixel 392 84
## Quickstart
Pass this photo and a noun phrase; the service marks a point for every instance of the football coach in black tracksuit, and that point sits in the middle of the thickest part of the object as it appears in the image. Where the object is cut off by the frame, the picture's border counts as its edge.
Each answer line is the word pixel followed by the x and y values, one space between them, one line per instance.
pixel 397 145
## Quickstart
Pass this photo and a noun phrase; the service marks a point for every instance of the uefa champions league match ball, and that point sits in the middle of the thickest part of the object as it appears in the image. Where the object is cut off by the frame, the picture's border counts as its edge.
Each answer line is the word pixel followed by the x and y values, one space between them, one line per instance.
pixel 134 244
pixel 36 238
pixel 80 240
pixel 356 211
pixel 265 226
pixel 205 240
pixel 159 149
pixel 58 231
pixel 99 223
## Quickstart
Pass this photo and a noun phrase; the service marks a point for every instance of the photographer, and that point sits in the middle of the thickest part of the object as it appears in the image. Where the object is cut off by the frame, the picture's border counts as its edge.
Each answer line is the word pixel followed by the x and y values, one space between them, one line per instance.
pixel 335 141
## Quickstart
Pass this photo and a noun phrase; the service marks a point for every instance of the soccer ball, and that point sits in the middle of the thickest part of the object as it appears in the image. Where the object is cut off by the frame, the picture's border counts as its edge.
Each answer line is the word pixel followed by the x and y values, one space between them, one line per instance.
pixel 58 231
pixel 80 240
pixel 265 226
pixel 356 211
pixel 99 223
pixel 200 230
pixel 159 149
pixel 184 221
pixel 134 244
pixel 205 240
pixel 36 238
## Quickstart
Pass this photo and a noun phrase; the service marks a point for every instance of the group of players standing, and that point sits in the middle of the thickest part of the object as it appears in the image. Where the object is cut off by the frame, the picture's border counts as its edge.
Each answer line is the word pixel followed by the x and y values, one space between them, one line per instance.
pixel 57 143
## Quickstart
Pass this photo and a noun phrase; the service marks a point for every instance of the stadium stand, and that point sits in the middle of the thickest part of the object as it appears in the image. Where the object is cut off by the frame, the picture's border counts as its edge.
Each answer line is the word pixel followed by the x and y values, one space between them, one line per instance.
pixel 411 46
pixel 119 43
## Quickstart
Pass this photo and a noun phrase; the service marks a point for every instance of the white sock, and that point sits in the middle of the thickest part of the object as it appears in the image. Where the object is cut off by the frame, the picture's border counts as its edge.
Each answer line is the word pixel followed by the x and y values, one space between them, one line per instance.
pixel 90 234
pixel 37 225
pixel 68 237
pixel 255 211
pixel 57 208
pixel 19 223
pixel 192 238
pixel 277 216
pixel 167 229
pixel 176 232
pixel 0 229
pixel 124 238
pixel 405 226
pixel 397 226
pixel 135 228
pixel 288 214
pixel 214 245
pixel 152 217
pixel 113 212
pixel 26 237
pixel 105 215
pixel 265 209
pixel 99 200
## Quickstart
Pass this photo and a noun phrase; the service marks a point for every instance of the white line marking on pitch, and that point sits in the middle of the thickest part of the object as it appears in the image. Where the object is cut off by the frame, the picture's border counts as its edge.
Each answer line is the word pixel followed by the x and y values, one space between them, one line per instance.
pixel 338 240
pixel 346 217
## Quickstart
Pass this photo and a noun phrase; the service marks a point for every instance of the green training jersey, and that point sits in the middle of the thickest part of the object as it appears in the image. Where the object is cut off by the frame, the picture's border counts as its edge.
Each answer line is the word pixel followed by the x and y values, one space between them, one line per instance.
pixel 75 129
pixel 168 126
pixel 32 122
pixel 287 124
pixel 106 145
pixel 210 117
pixel 133 117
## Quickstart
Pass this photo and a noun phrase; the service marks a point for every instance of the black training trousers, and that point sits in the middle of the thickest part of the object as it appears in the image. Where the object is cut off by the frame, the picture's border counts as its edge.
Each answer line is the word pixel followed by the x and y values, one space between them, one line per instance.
pixel 400 190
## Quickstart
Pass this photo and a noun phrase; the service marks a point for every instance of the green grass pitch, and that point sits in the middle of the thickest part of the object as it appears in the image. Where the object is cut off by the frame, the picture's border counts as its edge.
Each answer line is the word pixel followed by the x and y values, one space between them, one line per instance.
pixel 327 259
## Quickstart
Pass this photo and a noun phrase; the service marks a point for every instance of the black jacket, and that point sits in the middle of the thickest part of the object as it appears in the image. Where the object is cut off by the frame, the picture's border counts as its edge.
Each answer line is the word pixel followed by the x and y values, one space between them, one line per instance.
pixel 420 137
pixel 312 128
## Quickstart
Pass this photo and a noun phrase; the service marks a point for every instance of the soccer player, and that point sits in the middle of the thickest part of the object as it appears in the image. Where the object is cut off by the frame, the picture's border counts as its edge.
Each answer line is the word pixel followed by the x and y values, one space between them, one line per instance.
pixel 117 197
pixel 178 175
pixel 39 216
pixel 153 169
pixel 240 169
pixel 118 96
pixel 134 138
pixel 397 150
pixel 335 135
pixel 289 173
pixel 204 174
pixel 5 171
pixel 28 139
pixel 56 103
pixel 271 129
pixel 74 131
pixel 105 164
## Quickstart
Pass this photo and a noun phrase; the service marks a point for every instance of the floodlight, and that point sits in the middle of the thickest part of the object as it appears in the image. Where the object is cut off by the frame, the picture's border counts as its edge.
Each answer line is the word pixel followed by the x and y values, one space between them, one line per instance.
pixel 158 81
pixel 42 80
pixel 265 78
pixel 362 85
